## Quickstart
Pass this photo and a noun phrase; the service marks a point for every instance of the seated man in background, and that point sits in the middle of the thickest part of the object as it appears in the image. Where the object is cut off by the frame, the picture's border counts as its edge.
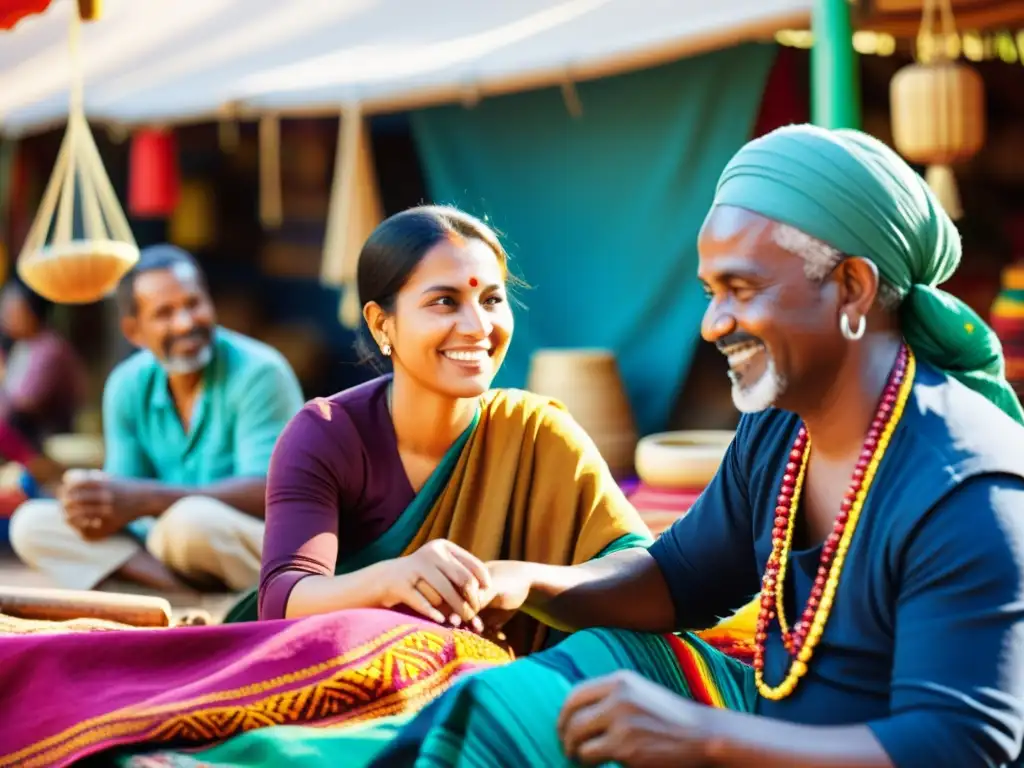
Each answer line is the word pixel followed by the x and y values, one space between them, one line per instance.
pixel 189 425
pixel 43 382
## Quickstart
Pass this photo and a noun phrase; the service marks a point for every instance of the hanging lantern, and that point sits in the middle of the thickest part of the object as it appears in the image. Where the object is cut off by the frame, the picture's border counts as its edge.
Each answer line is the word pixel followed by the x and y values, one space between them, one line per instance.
pixel 153 182
pixel 938 111
pixel 69 269
pixel 938 119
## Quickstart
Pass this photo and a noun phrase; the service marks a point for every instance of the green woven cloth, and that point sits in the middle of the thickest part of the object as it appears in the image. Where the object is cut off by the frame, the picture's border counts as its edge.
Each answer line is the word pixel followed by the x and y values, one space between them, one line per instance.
pixel 854 193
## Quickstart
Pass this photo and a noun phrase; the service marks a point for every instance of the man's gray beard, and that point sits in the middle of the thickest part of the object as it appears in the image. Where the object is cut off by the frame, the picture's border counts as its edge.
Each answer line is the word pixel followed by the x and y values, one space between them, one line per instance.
pixel 182 366
pixel 762 394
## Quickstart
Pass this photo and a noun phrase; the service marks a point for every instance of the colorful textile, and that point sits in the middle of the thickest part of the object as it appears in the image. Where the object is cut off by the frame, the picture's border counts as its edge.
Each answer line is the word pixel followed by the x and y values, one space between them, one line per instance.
pixel 523 482
pixel 294 746
pixel 503 717
pixel 1007 320
pixel 11 625
pixel 854 193
pixel 660 507
pixel 197 686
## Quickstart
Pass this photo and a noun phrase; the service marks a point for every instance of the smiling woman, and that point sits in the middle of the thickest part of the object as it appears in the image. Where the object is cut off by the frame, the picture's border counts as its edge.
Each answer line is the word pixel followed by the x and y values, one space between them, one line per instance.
pixel 432 282
pixel 396 493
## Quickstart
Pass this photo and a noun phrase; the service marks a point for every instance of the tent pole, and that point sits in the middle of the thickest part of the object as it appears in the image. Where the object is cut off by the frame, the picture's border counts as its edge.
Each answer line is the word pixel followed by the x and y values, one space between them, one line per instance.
pixel 835 74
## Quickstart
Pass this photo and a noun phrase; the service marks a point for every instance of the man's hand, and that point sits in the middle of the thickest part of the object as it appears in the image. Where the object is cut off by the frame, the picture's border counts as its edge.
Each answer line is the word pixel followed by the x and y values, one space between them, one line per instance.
pixel 96 504
pixel 626 719
pixel 509 589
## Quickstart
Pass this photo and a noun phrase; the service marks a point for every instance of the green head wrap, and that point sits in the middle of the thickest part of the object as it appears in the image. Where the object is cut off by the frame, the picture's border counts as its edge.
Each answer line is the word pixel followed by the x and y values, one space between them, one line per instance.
pixel 852 192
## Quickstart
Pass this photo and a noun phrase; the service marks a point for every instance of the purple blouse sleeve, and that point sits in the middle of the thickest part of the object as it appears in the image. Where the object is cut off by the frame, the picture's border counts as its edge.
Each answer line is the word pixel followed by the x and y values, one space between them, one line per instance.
pixel 305 484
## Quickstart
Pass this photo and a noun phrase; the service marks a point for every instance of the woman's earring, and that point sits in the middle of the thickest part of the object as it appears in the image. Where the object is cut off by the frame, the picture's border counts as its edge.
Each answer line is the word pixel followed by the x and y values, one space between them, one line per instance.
pixel 385 349
pixel 848 333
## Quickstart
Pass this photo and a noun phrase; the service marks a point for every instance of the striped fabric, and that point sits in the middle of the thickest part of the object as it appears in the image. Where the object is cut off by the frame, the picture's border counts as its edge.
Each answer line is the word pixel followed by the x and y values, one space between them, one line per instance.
pixel 502 717
pixel 1007 320
pixel 660 507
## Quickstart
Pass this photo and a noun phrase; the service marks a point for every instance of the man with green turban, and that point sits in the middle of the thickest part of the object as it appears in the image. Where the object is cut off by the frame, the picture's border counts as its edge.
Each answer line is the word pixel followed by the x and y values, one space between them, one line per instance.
pixel 873 497
pixel 856 198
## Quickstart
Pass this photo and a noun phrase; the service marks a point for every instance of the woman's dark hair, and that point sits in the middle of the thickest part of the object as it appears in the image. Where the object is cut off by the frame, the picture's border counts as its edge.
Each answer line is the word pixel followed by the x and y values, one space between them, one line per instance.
pixel 398 245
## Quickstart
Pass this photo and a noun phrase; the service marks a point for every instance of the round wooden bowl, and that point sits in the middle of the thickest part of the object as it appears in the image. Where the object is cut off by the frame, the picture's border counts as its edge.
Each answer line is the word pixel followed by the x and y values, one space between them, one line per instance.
pixel 79 272
pixel 681 459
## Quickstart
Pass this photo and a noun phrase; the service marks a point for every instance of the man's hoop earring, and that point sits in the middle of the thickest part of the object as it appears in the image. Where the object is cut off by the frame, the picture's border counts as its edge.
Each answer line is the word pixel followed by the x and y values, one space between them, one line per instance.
pixel 848 333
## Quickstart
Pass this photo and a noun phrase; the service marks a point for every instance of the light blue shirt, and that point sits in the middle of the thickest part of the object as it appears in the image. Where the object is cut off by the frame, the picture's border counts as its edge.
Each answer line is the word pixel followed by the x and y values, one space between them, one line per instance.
pixel 249 393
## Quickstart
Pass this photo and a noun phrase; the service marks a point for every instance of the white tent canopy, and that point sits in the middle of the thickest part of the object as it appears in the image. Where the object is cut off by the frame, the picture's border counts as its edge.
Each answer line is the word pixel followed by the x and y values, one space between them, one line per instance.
pixel 156 61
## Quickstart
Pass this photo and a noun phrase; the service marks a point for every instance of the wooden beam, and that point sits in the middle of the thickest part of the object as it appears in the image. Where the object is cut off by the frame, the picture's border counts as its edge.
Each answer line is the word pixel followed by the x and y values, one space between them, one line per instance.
pixel 902 18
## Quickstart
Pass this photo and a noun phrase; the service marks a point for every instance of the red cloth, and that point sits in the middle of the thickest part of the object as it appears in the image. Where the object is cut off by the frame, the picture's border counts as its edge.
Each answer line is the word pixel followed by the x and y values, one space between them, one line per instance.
pixel 660 507
pixel 154 184
pixel 786 98
pixel 13 11
pixel 10 500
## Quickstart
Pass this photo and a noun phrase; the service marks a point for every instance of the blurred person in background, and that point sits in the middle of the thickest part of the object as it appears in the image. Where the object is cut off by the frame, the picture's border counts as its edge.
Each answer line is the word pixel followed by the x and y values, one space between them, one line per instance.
pixel 43 382
pixel 189 425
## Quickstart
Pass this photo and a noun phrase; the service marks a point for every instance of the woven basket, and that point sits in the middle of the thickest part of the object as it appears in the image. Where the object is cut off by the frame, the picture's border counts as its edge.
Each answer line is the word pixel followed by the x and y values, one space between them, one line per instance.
pixel 588 383
pixel 78 272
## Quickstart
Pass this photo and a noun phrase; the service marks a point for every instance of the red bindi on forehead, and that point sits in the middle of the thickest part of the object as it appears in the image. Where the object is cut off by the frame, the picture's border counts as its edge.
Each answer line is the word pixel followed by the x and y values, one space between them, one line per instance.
pixel 473 282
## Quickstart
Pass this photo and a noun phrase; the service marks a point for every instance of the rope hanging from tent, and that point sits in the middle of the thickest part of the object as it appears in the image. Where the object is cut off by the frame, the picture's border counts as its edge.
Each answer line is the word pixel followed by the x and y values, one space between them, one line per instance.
pixel 355 211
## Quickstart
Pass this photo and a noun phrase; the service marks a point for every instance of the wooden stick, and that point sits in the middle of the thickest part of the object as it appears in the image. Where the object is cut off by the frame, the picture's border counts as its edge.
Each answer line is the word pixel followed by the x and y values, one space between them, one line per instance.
pixel 66 604
pixel 271 204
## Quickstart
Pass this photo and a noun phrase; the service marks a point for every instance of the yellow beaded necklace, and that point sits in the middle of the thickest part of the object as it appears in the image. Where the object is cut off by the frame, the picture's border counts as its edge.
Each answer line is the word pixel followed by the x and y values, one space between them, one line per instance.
pixel 808 637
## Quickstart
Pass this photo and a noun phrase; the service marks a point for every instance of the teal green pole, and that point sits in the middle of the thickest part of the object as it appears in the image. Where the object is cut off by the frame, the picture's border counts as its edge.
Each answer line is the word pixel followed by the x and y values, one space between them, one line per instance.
pixel 835 76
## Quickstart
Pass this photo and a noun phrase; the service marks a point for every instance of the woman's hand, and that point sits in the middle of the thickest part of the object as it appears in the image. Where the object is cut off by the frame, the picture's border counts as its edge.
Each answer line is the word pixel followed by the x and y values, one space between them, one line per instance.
pixel 441 581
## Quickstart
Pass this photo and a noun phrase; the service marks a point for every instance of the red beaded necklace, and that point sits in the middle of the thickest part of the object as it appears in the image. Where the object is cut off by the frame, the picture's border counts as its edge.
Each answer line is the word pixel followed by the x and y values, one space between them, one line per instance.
pixel 801 640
